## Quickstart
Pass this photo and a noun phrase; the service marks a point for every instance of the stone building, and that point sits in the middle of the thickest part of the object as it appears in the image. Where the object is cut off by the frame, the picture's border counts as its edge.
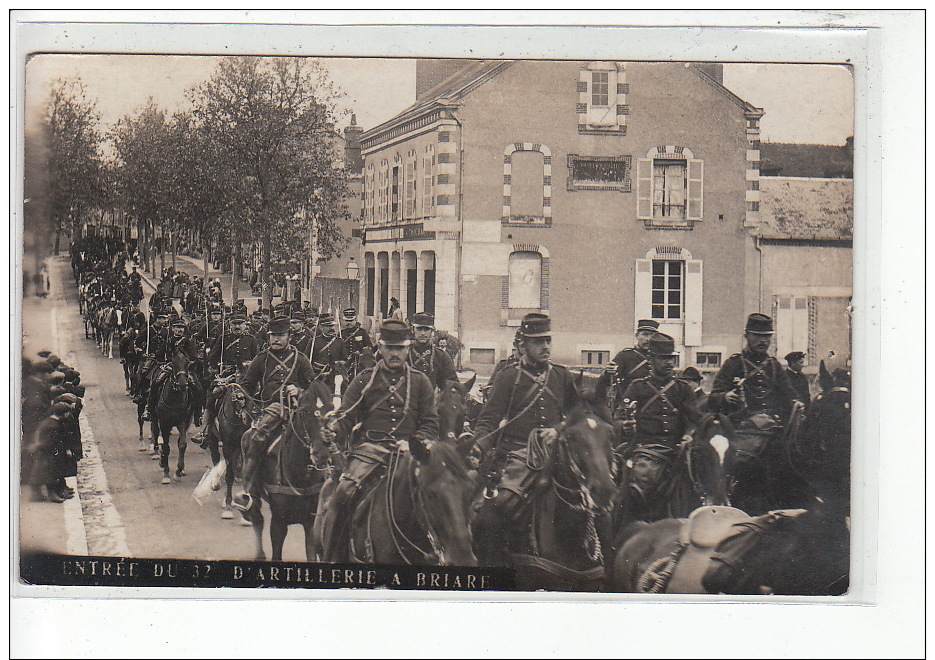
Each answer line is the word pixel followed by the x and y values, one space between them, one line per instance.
pixel 599 192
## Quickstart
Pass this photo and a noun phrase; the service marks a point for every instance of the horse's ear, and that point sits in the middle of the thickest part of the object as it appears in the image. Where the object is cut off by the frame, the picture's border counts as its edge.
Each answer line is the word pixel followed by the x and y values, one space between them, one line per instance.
pixel 825 379
pixel 468 386
pixel 418 450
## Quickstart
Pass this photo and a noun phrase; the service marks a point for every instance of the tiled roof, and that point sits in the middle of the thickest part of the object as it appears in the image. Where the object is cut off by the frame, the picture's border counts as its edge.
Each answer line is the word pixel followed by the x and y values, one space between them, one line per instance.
pixel 806 209
pixel 806 160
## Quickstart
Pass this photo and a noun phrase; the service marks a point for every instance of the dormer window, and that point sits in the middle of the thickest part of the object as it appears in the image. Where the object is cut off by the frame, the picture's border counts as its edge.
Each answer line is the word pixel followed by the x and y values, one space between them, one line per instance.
pixel 602 92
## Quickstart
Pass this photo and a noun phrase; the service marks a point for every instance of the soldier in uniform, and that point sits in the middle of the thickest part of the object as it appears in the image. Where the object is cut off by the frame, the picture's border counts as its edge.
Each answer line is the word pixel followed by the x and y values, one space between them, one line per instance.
pixel 176 343
pixel 631 363
pixel 693 377
pixel 795 361
pixel 391 402
pixel 424 356
pixel 230 355
pixel 527 403
pixel 753 390
pixel 329 353
pixel 298 335
pixel 664 413
pixel 276 376
pixel 208 331
pixel 149 343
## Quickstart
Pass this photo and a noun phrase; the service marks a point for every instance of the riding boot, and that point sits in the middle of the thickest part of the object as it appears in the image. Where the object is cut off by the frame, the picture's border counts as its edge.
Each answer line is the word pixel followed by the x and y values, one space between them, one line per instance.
pixel 335 526
pixel 491 540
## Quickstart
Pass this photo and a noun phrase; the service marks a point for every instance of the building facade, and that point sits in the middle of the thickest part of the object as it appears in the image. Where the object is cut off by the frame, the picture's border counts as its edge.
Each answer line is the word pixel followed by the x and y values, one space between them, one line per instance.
pixel 598 192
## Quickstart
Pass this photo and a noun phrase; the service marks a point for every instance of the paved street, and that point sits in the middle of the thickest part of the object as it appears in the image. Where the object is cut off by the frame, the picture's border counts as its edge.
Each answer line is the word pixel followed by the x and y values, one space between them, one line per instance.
pixel 124 510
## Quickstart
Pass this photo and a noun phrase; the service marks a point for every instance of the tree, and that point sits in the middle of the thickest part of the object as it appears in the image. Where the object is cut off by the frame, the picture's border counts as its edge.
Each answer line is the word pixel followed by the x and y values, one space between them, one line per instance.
pixel 75 187
pixel 270 123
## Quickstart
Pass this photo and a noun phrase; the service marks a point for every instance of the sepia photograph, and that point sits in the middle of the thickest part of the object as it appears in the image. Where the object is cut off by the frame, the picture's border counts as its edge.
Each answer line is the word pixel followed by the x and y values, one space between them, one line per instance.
pixel 304 321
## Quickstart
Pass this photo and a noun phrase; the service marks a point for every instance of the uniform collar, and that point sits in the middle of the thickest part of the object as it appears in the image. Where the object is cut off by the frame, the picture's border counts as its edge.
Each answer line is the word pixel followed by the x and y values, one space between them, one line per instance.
pixel 535 368
pixel 754 357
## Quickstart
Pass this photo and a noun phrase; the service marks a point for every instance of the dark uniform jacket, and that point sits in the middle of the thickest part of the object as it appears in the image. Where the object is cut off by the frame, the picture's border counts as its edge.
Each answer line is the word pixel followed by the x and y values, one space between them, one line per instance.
pixel 632 364
pixel 383 410
pixel 766 388
pixel 356 339
pixel 237 349
pixel 328 350
pixel 175 345
pixel 433 362
pixel 271 370
pixel 302 340
pixel 503 364
pixel 666 409
pixel 538 396
pixel 799 383
pixel 157 340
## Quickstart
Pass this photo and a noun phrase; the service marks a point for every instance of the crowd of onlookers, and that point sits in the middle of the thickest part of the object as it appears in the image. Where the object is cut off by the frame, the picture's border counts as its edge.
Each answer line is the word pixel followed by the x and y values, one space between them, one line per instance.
pixel 51 447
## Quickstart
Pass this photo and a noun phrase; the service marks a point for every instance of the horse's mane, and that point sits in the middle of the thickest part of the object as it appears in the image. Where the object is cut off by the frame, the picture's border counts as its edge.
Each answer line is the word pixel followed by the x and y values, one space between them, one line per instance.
pixel 452 458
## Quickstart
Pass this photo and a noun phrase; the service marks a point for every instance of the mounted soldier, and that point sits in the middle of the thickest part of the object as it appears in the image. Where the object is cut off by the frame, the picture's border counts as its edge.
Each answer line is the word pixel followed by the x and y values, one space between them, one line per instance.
pixel 382 406
pixel 631 363
pixel 753 390
pixel 276 376
pixel 298 335
pixel 176 342
pixel 149 342
pixel 230 355
pixel 693 377
pixel 661 414
pixel 526 405
pixel 424 356
pixel 357 340
pixel 329 353
pixel 795 361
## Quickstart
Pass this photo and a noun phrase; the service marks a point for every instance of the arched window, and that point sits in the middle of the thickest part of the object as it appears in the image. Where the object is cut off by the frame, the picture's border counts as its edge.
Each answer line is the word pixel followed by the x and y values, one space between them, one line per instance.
pixel 527 184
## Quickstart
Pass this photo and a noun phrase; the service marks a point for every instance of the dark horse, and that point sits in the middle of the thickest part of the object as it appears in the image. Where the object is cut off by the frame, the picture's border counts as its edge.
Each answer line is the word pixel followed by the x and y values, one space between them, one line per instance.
pixel 289 478
pixel 174 409
pixel 567 521
pixel 788 552
pixel 236 412
pixel 452 404
pixel 418 512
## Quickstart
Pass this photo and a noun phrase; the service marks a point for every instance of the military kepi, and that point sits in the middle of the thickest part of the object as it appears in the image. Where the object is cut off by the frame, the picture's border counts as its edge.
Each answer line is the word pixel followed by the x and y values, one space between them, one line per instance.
pixel 423 319
pixel 278 326
pixel 647 324
pixel 759 324
pixel 536 324
pixel 795 355
pixel 394 333
pixel 660 344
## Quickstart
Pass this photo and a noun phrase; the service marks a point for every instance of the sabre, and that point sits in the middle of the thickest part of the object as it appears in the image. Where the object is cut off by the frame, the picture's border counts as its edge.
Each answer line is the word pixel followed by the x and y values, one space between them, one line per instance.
pixel 336 400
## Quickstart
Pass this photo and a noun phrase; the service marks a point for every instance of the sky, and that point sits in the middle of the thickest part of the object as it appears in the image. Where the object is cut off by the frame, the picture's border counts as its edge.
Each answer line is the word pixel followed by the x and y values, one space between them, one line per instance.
pixel 808 103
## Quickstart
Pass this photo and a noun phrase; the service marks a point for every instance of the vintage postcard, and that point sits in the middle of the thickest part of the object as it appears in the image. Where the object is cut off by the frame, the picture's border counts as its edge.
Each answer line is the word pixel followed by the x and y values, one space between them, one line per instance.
pixel 473 322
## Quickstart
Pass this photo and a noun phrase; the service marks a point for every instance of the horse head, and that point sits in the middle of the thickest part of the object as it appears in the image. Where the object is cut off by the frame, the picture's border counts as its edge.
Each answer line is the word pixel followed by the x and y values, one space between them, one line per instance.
pixel 444 490
pixel 452 407
pixel 706 459
pixel 587 436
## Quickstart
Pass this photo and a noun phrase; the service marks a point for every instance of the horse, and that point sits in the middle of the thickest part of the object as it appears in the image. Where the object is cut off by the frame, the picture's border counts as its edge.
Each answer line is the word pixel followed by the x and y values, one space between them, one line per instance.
pixel 109 320
pixel 452 405
pixel 129 358
pixel 697 476
pixel 418 512
pixel 290 479
pixel 566 523
pixel 174 409
pixel 236 412
pixel 790 552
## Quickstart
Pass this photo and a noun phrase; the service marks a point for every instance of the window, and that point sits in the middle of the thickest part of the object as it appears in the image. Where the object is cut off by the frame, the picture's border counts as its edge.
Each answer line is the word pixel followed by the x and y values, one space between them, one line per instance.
pixel 669 187
pixel 527 184
pixel 483 356
pixel 600 88
pixel 410 190
pixel 428 184
pixel 669 183
pixel 708 360
pixel 791 324
pixel 599 172
pixel 525 280
pixel 395 195
pixel 595 357
pixel 668 289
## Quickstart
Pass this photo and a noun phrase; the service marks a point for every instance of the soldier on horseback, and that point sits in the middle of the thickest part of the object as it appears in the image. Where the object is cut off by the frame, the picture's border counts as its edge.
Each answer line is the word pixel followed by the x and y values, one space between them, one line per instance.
pixel 631 363
pixel 753 390
pixel 424 356
pixel 660 415
pixel 390 403
pixel 149 342
pixel 357 341
pixel 329 353
pixel 177 342
pixel 527 403
pixel 231 354
pixel 276 376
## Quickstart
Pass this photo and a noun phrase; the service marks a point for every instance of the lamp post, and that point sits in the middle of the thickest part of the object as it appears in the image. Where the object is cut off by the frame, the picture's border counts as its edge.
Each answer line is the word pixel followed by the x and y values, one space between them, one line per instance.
pixel 353 270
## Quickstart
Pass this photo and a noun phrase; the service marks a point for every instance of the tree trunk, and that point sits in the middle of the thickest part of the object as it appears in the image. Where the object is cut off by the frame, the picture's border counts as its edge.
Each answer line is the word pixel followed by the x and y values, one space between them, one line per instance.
pixel 175 240
pixel 204 262
pixel 267 279
pixel 235 271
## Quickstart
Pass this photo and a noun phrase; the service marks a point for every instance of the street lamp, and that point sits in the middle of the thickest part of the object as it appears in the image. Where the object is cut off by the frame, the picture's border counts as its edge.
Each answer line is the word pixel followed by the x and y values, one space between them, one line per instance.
pixel 353 270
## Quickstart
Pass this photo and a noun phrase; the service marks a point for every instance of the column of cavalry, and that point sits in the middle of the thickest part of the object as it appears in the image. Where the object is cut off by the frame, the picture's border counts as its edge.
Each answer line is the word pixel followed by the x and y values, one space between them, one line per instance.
pixel 631 480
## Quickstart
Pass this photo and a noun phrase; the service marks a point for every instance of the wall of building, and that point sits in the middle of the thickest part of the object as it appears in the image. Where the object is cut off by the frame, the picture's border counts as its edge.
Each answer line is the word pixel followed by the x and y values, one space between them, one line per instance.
pixel 595 237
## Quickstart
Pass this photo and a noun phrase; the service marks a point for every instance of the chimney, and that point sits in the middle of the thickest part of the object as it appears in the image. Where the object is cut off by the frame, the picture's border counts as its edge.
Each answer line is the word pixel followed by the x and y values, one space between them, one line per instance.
pixel 353 160
pixel 431 72
pixel 714 70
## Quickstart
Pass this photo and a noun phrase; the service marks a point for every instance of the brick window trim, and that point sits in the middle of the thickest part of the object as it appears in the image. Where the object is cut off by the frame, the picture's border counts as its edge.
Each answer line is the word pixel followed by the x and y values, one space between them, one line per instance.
pixel 573 185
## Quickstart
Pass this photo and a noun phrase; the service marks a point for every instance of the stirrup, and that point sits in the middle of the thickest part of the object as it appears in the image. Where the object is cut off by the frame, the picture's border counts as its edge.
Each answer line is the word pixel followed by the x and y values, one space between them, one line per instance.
pixel 242 501
pixel 147 417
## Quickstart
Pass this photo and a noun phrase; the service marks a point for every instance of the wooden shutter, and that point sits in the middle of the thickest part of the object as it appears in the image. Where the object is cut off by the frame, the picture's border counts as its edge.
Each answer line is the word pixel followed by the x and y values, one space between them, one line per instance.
pixel 643 290
pixel 644 189
pixel 695 189
pixel 694 297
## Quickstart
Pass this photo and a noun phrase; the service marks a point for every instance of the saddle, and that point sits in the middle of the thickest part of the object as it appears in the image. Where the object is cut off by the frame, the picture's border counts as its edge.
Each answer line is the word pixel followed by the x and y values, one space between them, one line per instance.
pixel 700 535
